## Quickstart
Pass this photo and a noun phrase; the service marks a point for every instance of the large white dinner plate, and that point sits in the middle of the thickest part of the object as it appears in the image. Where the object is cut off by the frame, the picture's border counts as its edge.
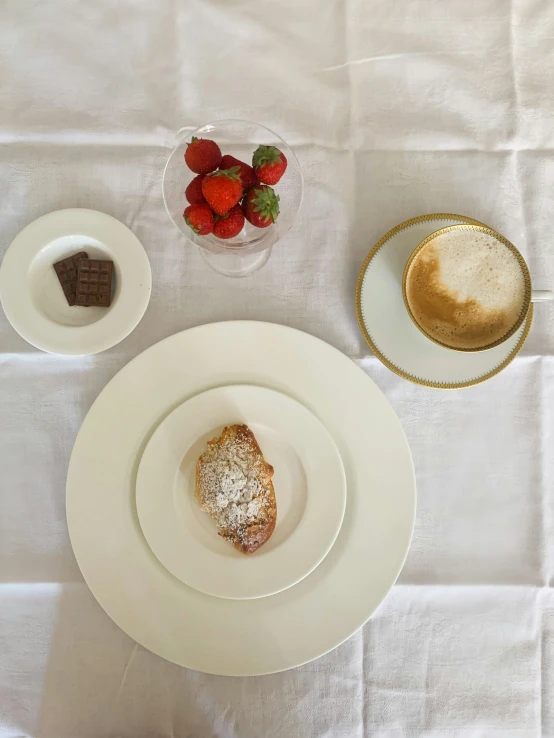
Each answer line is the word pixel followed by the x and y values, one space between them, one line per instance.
pixel 33 299
pixel 309 483
pixel 240 637
pixel 393 336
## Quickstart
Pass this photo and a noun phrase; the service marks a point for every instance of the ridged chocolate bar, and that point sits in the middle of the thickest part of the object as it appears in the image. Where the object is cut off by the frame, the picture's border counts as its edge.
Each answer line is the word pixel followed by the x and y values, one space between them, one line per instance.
pixel 94 283
pixel 66 269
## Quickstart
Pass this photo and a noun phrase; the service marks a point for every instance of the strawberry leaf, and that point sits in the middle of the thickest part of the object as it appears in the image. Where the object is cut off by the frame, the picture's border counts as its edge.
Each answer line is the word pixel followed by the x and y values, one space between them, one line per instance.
pixel 266 203
pixel 191 226
pixel 231 173
pixel 266 155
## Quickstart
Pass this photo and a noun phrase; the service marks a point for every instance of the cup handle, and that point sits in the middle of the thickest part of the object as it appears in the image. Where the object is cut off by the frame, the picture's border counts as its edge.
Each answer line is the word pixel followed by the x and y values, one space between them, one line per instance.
pixel 542 295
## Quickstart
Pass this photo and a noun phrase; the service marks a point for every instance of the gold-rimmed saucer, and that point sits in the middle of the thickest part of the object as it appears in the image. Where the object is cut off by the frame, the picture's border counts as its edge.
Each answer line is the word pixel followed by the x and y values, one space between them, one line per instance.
pixel 391 334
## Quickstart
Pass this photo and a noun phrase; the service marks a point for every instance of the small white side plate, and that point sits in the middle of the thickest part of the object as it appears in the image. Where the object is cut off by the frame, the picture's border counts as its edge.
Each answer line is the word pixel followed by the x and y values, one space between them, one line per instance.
pixel 309 482
pixel 389 330
pixel 33 299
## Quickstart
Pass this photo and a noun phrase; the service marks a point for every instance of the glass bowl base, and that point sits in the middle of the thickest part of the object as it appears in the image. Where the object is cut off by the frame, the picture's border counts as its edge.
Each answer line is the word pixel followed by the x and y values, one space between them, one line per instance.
pixel 235 263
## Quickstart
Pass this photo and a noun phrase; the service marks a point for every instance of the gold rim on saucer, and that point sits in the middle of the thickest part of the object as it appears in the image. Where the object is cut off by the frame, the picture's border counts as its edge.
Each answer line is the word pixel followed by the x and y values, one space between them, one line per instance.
pixel 499 237
pixel 382 358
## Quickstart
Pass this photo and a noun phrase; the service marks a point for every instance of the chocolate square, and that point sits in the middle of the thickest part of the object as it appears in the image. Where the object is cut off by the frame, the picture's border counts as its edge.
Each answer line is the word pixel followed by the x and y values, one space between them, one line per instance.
pixel 66 270
pixel 94 283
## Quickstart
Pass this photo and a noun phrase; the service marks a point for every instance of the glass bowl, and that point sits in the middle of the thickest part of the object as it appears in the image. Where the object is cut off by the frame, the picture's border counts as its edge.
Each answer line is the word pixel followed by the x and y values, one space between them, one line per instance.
pixel 250 250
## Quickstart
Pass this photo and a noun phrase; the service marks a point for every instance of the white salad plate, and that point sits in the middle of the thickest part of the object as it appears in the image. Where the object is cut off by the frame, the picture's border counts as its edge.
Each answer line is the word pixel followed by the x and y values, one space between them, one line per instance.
pixel 309 484
pixel 33 299
pixel 255 636
pixel 391 333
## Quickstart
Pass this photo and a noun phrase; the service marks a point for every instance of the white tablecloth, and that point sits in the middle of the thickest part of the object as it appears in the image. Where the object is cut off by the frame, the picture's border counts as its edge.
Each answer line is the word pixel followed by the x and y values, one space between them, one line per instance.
pixel 394 108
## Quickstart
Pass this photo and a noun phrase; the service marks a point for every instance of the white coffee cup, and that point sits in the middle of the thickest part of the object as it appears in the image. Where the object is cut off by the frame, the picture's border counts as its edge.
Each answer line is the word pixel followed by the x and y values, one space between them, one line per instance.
pixel 464 324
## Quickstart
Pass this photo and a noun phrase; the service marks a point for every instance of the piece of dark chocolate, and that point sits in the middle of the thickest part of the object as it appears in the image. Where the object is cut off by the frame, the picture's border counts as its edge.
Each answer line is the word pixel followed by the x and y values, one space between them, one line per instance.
pixel 94 283
pixel 66 269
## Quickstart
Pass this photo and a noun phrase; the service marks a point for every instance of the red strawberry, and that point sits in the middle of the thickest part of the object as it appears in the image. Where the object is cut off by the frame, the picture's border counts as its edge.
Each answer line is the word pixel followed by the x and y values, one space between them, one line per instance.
pixel 202 155
pixel 200 218
pixel 269 164
pixel 193 193
pixel 230 225
pixel 246 173
pixel 261 206
pixel 222 189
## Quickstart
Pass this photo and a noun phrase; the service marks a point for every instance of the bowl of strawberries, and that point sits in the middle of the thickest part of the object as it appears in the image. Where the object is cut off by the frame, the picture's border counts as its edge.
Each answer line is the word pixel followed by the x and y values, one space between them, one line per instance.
pixel 234 189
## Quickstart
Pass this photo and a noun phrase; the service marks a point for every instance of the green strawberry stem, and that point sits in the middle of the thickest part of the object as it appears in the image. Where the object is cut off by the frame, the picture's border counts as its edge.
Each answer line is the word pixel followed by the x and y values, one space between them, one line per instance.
pixel 231 173
pixel 196 230
pixel 220 217
pixel 266 203
pixel 266 155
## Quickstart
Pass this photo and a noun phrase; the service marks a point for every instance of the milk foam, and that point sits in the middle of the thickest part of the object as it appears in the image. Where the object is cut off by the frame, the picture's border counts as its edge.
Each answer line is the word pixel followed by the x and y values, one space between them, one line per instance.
pixel 466 289
pixel 475 266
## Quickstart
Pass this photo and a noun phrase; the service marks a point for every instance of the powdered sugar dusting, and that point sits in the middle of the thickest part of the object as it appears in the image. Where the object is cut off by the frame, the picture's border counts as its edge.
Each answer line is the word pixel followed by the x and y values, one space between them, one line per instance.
pixel 235 475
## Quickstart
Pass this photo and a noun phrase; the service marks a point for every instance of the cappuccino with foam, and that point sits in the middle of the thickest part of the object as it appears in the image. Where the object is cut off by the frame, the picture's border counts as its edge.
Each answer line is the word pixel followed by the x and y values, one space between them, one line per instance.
pixel 466 289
